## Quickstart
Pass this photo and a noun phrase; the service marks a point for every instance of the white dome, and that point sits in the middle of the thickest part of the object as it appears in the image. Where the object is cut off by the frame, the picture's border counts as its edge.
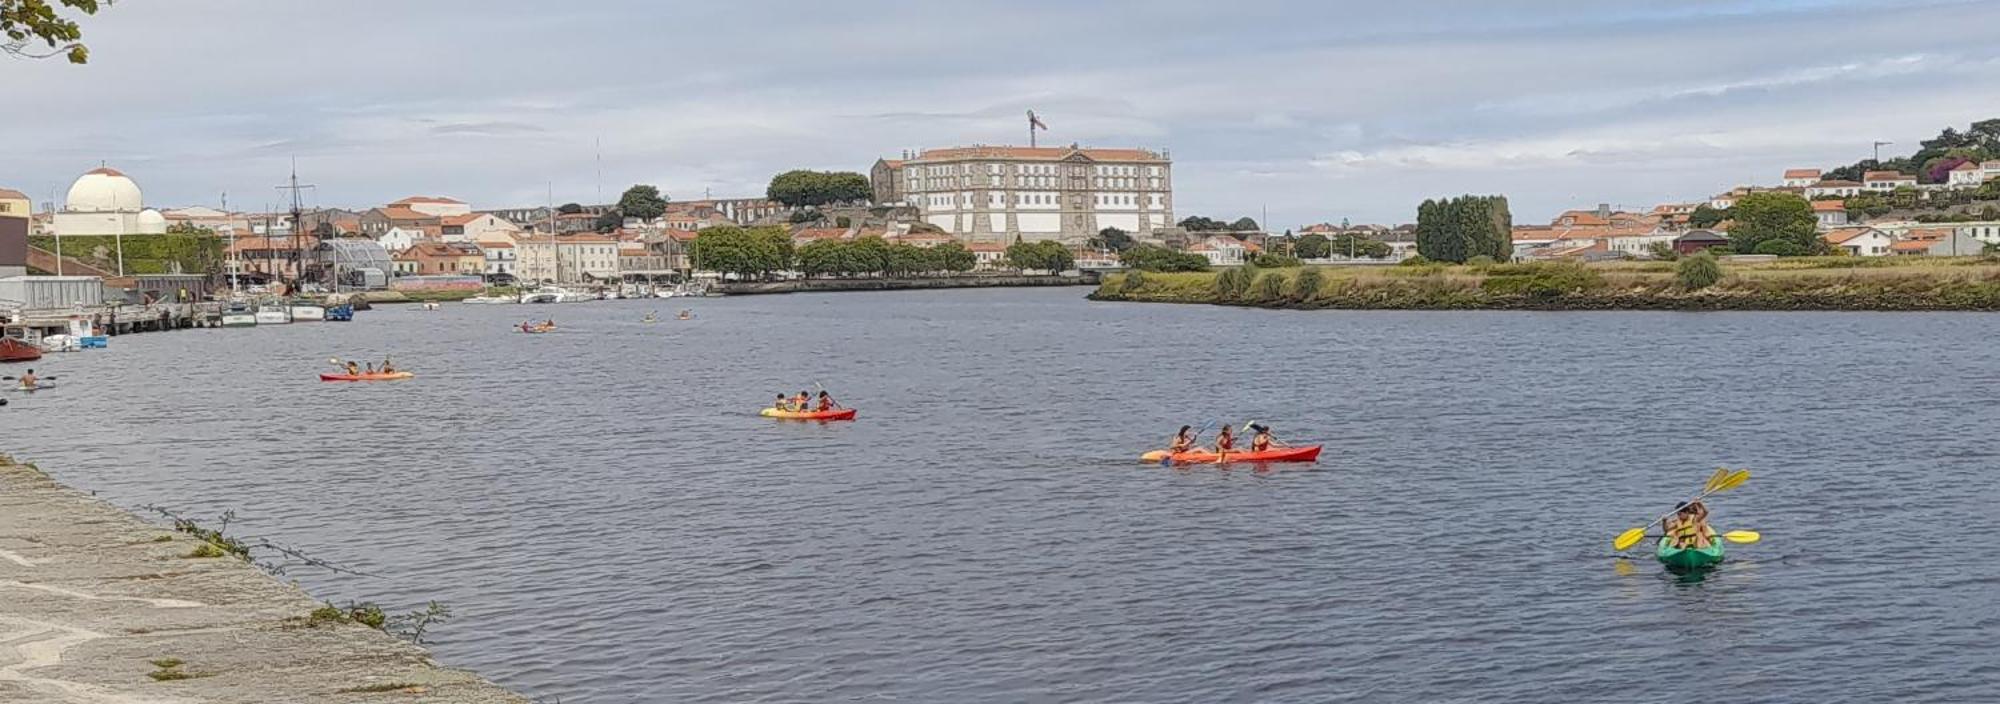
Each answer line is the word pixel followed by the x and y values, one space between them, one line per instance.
pixel 151 222
pixel 103 190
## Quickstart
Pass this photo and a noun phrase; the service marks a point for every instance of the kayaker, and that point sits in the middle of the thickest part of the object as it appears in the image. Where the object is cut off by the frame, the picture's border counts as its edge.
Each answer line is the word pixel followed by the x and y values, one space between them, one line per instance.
pixel 784 403
pixel 826 401
pixel 1183 441
pixel 386 367
pixel 1262 440
pixel 28 379
pixel 803 400
pixel 371 367
pixel 1688 528
pixel 1225 441
pixel 353 369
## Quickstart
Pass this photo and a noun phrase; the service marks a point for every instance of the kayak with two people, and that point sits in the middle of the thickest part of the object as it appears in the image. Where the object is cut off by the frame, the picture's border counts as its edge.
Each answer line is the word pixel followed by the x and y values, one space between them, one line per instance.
pixel 1687 543
pixel 1264 447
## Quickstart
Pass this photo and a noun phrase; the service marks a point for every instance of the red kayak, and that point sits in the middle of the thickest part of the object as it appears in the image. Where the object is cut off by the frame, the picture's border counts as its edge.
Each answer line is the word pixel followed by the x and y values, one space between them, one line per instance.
pixel 376 376
pixel 1309 453
pixel 836 414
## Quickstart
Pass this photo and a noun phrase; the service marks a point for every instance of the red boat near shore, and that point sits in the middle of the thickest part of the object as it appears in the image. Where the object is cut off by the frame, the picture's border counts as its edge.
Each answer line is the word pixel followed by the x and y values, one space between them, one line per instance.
pixel 15 350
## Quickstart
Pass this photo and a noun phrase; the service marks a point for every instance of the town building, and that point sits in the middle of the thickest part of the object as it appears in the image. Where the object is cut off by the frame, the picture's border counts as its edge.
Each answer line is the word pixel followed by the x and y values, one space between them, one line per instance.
pixel 438 206
pixel 988 256
pixel 1883 181
pixel 1830 213
pixel 1801 178
pixel 444 258
pixel 1003 194
pixel 1966 175
pixel 16 215
pixel 500 259
pixel 1223 250
pixel 104 201
pixel 1694 241
pixel 1984 231
pixel 379 221
pixel 477 228
pixel 1834 188
pixel 1941 241
pixel 398 239
pixel 1860 241
pixel 574 258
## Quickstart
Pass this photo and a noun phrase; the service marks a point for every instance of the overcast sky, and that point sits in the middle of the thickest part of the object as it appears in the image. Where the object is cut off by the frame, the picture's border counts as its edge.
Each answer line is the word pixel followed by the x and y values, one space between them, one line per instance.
pixel 1314 110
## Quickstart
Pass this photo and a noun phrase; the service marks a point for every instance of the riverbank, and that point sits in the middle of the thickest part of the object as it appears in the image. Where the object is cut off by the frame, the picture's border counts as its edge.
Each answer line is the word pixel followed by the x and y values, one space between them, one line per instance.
pixel 1821 283
pixel 743 288
pixel 99 606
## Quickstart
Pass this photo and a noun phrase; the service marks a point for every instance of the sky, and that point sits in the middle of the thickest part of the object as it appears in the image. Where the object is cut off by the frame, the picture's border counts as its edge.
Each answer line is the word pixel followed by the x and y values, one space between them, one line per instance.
pixel 1307 111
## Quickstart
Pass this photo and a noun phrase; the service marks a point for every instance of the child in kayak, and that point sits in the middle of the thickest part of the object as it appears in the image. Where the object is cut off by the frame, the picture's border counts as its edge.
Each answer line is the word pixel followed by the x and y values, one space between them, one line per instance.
pixel 826 401
pixel 1183 441
pixel 803 401
pixel 1688 528
pixel 783 403
pixel 386 369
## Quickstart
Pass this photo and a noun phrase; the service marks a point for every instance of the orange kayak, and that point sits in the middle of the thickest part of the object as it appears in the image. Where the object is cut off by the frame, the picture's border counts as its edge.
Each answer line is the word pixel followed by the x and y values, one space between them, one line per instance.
pixel 836 414
pixel 377 376
pixel 1309 453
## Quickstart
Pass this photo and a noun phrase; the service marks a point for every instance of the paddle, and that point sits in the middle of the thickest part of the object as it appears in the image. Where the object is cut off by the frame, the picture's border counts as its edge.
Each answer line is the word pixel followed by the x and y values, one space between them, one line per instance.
pixel 1717 483
pixel 1735 536
pixel 39 378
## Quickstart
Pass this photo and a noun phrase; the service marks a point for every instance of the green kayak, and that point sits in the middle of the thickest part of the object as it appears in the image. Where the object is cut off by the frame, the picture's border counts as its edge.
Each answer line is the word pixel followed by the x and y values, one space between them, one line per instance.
pixel 1681 560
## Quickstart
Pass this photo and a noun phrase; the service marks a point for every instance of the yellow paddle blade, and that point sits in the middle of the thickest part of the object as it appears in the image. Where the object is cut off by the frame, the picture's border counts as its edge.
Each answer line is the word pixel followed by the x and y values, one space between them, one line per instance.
pixel 1720 474
pixel 1628 539
pixel 1736 479
pixel 1742 536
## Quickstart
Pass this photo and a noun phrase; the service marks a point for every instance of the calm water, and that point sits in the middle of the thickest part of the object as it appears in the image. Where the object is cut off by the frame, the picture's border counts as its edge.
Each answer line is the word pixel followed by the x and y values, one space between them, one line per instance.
pixel 612 523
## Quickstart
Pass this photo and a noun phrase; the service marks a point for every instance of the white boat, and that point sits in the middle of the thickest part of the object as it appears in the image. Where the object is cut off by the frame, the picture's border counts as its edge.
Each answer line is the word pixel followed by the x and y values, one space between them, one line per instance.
pixel 489 300
pixel 239 315
pixel 274 314
pixel 549 294
pixel 304 312
pixel 60 343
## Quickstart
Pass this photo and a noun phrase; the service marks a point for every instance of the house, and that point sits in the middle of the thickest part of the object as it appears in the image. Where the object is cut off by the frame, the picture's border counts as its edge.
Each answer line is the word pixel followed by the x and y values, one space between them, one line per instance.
pixel 690 219
pixel 1222 251
pixel 1697 240
pixel 1985 231
pixel 1860 241
pixel 988 256
pixel 500 258
pixel 378 221
pixel 1966 175
pixel 568 259
pixel 1834 188
pixel 1938 242
pixel 397 239
pixel 925 240
pixel 1636 242
pixel 1801 178
pixel 1724 201
pixel 1831 213
pixel 477 228
pixel 1887 181
pixel 1989 170
pixel 444 258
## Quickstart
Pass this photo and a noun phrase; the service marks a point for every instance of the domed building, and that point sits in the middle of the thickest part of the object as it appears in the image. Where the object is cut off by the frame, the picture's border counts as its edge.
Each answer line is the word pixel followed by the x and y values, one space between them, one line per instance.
pixel 106 202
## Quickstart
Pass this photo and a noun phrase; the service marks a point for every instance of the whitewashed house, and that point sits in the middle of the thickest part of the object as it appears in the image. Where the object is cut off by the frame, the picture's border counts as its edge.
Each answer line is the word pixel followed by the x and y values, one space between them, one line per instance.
pixel 1966 175
pixel 1883 181
pixel 500 257
pixel 1830 213
pixel 1801 178
pixel 398 239
pixel 1836 188
pixel 1222 251
pixel 1861 241
pixel 1985 231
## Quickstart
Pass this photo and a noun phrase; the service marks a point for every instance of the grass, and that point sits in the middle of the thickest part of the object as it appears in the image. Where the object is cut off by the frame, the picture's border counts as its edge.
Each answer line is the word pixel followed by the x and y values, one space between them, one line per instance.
pixel 383 687
pixel 169 669
pixel 1802 283
pixel 204 550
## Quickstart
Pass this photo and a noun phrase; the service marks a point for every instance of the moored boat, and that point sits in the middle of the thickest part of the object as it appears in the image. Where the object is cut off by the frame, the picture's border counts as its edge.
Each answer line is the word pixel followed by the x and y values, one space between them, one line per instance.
pixel 17 350
pixel 1308 453
pixel 303 311
pixel 273 314
pixel 239 315
pixel 836 414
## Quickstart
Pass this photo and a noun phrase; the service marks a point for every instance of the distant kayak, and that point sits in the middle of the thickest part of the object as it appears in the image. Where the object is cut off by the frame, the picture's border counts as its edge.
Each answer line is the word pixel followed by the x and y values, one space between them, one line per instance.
pixel 1683 560
pixel 376 376
pixel 37 387
pixel 1309 453
pixel 836 414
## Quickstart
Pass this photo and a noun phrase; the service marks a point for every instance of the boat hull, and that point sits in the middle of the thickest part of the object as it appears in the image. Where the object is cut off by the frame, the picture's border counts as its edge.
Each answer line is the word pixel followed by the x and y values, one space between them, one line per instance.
pixel 837 414
pixel 1679 560
pixel 13 350
pixel 1309 453
pixel 307 314
pixel 239 320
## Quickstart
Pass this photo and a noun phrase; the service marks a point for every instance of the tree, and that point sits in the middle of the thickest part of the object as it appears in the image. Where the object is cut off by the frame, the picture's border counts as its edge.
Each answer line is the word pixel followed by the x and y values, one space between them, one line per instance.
pixel 954 257
pixel 1115 239
pixel 1151 258
pixel 1458 229
pixel 1197 223
pixel 1705 217
pixel 1313 246
pixel 1348 243
pixel 25 22
pixel 610 221
pixel 1047 255
pixel 800 188
pixel 1698 271
pixel 643 202
pixel 1272 260
pixel 746 253
pixel 1663 251
pixel 569 209
pixel 1763 217
pixel 1244 224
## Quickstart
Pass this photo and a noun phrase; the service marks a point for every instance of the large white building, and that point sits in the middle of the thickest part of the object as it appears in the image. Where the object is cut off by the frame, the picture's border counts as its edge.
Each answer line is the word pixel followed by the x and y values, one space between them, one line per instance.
pixel 106 202
pixel 999 194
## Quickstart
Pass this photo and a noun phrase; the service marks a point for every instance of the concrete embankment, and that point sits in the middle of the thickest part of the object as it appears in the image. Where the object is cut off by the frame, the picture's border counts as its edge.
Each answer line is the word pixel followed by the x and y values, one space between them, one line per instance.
pixel 100 607
pixel 739 288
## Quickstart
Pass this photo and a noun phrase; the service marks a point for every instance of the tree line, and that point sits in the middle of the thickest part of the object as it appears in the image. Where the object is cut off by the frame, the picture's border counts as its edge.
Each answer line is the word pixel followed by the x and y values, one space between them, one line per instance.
pixel 761 251
pixel 1457 229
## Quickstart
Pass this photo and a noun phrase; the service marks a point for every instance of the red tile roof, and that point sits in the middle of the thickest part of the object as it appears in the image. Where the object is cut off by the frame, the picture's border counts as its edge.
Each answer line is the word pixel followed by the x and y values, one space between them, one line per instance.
pixel 460 220
pixel 1886 176
pixel 1801 173
pixel 1967 166
pixel 1843 235
pixel 12 194
pixel 1836 183
pixel 1828 206
pixel 820 233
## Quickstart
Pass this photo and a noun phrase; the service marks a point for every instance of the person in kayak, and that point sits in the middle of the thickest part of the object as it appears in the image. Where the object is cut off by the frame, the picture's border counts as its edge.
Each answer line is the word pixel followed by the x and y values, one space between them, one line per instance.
pixel 803 401
pixel 353 369
pixel 387 368
pixel 1225 441
pixel 784 403
pixel 371 368
pixel 1262 440
pixel 1183 441
pixel 826 401
pixel 1688 528
pixel 28 380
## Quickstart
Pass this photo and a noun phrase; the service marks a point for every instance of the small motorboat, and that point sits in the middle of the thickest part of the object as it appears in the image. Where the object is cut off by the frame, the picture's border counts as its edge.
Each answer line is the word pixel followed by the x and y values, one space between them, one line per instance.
pixel 17 350
pixel 340 314
pixel 239 315
pixel 274 314
pixel 304 311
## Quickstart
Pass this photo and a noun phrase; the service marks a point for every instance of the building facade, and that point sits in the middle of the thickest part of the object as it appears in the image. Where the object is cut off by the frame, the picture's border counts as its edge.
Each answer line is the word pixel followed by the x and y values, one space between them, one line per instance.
pixel 1000 194
pixel 569 259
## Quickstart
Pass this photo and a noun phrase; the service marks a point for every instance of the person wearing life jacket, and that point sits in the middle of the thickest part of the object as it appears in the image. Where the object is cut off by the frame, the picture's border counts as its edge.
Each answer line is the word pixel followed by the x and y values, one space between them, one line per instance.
pixel 1225 441
pixel 803 401
pixel 826 401
pixel 1262 440
pixel 386 367
pixel 1688 528
pixel 353 369
pixel 784 403
pixel 1182 442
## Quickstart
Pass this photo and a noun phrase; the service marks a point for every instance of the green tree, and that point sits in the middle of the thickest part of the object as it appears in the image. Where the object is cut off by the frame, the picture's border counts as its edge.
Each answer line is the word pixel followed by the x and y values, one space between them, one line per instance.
pixel 1705 217
pixel 1154 258
pixel 25 22
pixel 1271 260
pixel 1115 239
pixel 954 257
pixel 569 209
pixel 610 221
pixel 822 257
pixel 1762 217
pixel 801 188
pixel 1457 229
pixel 643 202
pixel 1663 251
pixel 906 259
pixel 1347 243
pixel 746 253
pixel 1244 224
pixel 1197 223
pixel 1047 255
pixel 1313 246
pixel 869 255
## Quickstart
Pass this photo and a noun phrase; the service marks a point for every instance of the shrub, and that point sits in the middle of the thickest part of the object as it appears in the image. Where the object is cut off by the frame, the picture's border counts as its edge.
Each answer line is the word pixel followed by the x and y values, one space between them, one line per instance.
pixel 1269 260
pixel 1782 248
pixel 1231 284
pixel 1133 280
pixel 1481 260
pixel 1270 288
pixel 1306 286
pixel 1698 271
pixel 1541 280
pixel 1415 260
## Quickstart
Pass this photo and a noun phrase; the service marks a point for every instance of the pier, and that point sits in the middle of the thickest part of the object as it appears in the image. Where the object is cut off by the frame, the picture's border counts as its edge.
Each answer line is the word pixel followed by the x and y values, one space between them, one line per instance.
pixel 98 606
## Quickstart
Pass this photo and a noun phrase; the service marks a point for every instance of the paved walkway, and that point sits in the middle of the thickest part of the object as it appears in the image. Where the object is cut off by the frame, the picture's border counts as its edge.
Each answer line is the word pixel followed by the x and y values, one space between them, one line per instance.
pixel 89 599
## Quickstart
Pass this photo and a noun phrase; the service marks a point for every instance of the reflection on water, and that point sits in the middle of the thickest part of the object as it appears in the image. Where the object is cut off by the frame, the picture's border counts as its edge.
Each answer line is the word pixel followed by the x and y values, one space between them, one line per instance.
pixel 612 522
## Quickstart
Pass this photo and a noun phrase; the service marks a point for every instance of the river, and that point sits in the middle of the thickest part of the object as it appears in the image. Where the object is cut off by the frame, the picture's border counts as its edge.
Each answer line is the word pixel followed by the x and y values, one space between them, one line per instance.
pixel 611 522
